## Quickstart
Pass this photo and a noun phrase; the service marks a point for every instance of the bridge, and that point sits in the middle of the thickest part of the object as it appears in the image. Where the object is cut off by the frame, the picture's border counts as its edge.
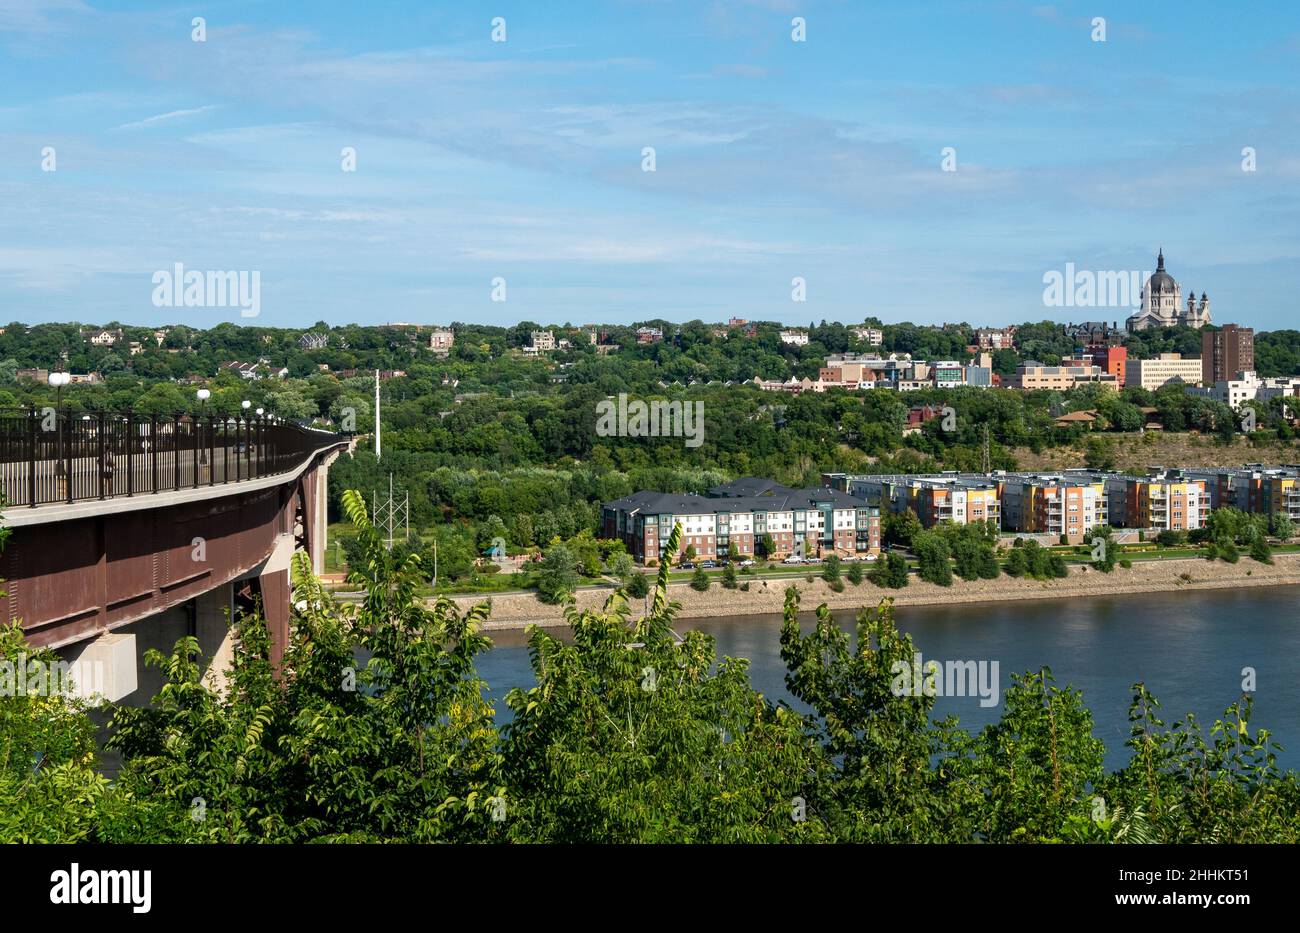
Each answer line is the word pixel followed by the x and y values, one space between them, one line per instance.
pixel 129 531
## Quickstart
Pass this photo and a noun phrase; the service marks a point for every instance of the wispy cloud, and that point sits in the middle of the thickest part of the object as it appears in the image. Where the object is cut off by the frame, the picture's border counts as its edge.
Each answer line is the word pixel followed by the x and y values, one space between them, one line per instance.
pixel 163 117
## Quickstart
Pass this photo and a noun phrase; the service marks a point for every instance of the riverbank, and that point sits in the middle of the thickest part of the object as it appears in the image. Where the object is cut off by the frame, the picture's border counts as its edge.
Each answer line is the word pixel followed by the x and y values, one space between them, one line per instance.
pixel 519 610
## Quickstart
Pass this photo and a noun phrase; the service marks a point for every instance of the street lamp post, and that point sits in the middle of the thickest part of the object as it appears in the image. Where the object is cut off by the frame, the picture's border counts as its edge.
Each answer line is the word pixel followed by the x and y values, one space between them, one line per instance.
pixel 248 437
pixel 202 451
pixel 261 424
pixel 57 381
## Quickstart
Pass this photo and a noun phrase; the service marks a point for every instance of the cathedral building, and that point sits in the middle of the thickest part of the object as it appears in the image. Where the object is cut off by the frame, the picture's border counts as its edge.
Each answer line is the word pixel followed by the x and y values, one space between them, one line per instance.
pixel 1162 303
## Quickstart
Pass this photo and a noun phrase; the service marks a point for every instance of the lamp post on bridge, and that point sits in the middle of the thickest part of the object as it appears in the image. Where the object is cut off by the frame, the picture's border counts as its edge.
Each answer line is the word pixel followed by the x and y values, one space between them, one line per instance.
pixel 57 381
pixel 202 395
pixel 248 437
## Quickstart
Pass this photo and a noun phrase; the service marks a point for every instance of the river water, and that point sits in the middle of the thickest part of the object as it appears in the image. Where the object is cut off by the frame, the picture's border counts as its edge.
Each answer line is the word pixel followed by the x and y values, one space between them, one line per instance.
pixel 1189 648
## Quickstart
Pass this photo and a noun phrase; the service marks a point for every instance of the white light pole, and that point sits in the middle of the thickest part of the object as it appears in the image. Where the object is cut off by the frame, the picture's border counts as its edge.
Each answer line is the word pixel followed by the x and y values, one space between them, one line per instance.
pixel 57 382
pixel 377 449
pixel 202 395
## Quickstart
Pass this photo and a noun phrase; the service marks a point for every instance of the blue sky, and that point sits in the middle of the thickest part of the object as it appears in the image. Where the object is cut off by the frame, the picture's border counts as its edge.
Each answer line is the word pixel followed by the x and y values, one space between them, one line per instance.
pixel 523 159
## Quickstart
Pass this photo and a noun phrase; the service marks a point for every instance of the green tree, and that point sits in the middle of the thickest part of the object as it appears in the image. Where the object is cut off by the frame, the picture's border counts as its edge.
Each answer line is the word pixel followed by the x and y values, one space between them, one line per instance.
pixel 638 585
pixel 890 571
pixel 320 747
pixel 1281 526
pixel 932 557
pixel 635 735
pixel 558 575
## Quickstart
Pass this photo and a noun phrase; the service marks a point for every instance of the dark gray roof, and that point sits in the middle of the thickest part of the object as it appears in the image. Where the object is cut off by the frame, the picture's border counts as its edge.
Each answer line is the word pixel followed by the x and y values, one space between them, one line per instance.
pixel 780 498
pixel 749 486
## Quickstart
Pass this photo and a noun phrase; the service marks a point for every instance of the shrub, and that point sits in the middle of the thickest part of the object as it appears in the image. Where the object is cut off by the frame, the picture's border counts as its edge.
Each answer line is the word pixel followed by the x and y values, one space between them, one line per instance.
pixel 700 580
pixel 638 585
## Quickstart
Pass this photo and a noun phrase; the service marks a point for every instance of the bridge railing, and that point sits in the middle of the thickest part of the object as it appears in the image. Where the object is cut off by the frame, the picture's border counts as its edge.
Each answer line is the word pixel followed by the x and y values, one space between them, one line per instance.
pixel 49 455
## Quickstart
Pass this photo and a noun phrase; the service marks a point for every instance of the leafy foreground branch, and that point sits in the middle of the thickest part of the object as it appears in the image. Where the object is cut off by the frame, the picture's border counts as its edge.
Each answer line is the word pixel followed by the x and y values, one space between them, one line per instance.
pixel 374 728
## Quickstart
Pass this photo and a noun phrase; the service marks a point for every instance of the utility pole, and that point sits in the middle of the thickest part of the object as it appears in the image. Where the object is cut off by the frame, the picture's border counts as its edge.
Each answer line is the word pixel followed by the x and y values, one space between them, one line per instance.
pixel 378 452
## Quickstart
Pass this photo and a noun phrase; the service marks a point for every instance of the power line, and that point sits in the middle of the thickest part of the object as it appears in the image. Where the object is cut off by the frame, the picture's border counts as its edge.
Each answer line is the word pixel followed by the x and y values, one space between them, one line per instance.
pixel 391 514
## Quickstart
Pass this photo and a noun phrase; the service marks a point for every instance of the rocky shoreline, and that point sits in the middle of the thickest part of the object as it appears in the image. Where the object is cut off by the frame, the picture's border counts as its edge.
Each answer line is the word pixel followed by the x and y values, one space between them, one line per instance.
pixel 516 611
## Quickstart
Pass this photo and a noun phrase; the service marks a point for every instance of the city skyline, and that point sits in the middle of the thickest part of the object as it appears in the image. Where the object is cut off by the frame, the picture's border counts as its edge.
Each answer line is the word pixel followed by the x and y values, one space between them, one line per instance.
pixel 522 160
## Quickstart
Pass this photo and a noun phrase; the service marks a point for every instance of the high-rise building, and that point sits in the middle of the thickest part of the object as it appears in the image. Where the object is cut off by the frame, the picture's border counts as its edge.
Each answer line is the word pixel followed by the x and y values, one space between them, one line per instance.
pixel 1227 352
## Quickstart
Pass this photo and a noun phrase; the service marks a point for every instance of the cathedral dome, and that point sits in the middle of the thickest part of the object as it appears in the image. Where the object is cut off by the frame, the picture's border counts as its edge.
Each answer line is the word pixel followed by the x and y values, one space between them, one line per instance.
pixel 1161 282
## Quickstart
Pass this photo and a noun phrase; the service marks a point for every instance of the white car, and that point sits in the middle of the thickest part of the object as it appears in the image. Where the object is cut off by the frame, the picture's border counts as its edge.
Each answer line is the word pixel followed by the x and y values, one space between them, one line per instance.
pixel 793 559
pixel 747 562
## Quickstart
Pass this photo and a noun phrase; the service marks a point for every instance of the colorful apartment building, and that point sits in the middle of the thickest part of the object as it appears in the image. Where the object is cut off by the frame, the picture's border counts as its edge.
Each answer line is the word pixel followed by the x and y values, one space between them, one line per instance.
pixel 1053 504
pixel 816 522
pixel 1163 500
pixel 1253 488
pixel 1069 503
pixel 940 498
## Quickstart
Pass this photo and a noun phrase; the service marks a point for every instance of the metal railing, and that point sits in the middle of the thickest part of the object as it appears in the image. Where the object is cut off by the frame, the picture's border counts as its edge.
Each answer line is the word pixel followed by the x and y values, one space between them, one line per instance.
pixel 49 455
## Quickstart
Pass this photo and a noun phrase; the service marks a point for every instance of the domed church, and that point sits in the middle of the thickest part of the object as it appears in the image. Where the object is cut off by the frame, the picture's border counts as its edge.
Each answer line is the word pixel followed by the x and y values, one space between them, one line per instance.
pixel 1162 303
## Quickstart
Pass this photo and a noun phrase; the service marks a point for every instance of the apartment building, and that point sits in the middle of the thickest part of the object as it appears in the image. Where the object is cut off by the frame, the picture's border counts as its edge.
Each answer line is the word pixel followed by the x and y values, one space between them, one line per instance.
pixel 1247 386
pixel 1034 375
pixel 947 497
pixel 1171 500
pixel 871 336
pixel 541 341
pixel 1254 488
pixel 795 338
pixel 949 374
pixel 1166 368
pixel 1053 504
pixel 823 521
pixel 853 373
pixel 1074 502
pixel 1226 352
pixel 441 340
pixel 990 338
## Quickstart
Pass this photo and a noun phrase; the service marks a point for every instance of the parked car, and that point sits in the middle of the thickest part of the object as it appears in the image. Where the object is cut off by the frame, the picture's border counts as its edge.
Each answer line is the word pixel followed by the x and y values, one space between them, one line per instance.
pixel 793 559
pixel 708 564
pixel 686 566
pixel 747 562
